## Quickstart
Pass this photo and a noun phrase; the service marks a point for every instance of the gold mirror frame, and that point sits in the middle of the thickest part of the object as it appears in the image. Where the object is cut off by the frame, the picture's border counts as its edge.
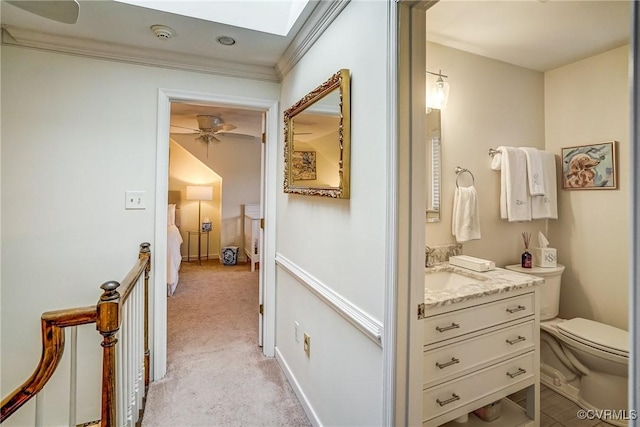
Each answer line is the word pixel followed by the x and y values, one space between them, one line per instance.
pixel 340 81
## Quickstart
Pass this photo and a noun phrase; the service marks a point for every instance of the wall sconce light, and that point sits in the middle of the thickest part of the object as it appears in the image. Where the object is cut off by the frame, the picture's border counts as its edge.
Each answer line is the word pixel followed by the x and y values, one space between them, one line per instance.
pixel 437 93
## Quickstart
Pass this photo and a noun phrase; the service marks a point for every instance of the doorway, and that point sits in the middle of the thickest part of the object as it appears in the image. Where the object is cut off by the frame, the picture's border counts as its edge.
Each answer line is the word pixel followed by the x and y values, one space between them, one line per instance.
pixel 267 269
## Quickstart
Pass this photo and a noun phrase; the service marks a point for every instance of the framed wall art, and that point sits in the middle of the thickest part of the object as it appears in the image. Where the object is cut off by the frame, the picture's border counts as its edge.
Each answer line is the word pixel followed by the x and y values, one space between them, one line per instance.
pixel 590 167
pixel 304 165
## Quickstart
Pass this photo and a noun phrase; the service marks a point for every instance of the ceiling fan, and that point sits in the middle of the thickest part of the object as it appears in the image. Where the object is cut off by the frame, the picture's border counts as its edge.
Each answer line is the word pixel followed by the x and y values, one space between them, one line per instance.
pixel 65 11
pixel 209 127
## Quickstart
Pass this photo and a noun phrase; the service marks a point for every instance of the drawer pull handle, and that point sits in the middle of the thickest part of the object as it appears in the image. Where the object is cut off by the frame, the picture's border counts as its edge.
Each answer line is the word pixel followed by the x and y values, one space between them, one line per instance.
pixel 520 371
pixel 446 328
pixel 516 340
pixel 518 308
pixel 450 400
pixel 453 361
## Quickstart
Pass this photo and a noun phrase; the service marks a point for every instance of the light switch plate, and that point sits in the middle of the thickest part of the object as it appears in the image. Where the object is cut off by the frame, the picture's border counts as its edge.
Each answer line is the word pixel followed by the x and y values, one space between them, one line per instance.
pixel 135 200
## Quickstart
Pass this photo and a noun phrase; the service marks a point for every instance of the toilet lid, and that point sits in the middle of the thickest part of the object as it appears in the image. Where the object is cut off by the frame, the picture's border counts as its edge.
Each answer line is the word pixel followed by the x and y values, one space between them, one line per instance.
pixel 598 335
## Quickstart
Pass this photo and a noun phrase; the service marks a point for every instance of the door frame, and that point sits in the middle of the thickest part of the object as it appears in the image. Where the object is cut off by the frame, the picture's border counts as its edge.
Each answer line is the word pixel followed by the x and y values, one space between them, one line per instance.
pixel 158 312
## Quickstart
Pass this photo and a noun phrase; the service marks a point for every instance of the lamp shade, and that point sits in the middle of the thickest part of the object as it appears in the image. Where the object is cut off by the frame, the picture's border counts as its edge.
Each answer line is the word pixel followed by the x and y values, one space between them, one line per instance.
pixel 199 192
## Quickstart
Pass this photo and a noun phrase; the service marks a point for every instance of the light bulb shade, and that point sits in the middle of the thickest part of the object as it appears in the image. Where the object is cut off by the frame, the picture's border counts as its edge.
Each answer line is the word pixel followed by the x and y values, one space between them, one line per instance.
pixel 438 94
pixel 199 192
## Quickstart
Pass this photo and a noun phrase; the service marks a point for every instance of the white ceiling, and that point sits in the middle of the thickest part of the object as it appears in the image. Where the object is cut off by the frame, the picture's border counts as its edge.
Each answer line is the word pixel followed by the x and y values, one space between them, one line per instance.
pixel 127 25
pixel 536 34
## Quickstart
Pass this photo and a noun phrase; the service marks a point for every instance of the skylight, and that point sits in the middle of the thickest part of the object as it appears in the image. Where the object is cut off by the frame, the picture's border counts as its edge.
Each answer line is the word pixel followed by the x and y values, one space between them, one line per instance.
pixel 269 16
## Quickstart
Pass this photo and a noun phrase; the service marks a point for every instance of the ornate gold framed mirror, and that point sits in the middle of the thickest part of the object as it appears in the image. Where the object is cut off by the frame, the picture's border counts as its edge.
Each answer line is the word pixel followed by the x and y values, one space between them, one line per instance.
pixel 317 140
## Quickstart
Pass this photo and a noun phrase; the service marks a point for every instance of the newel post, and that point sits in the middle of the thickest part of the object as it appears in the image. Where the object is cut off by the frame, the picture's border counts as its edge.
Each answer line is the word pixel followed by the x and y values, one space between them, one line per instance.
pixel 108 323
pixel 145 252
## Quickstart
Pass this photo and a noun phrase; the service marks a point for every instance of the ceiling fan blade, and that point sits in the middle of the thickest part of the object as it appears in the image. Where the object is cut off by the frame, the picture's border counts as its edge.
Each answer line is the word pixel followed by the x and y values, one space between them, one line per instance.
pixel 186 128
pixel 236 135
pixel 65 11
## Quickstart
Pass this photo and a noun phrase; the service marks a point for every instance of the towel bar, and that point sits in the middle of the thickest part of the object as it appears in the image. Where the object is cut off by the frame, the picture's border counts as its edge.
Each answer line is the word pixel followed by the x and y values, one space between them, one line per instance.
pixel 460 171
pixel 493 152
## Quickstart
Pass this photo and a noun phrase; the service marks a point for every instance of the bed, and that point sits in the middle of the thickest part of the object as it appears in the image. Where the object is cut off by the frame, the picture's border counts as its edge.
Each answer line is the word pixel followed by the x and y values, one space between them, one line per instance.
pixel 252 241
pixel 174 241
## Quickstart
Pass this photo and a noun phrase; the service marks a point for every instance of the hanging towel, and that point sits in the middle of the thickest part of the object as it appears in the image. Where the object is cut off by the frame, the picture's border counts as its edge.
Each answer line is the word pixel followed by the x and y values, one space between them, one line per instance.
pixel 496 160
pixel 546 207
pixel 465 224
pixel 515 202
pixel 535 173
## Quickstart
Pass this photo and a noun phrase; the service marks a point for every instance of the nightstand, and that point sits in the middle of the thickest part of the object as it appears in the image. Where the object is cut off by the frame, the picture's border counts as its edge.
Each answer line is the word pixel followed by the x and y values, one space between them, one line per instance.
pixel 198 235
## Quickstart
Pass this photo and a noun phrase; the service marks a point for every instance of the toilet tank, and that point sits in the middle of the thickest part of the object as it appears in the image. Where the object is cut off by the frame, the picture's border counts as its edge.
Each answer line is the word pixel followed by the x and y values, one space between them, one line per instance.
pixel 549 290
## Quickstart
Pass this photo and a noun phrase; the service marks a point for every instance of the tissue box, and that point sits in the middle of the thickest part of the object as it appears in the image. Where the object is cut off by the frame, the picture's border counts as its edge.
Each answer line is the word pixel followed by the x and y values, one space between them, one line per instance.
pixel 544 257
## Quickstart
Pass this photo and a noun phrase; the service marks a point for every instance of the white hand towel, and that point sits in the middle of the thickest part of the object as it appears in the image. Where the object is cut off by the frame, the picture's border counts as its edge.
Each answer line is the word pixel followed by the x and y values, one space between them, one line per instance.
pixel 535 173
pixel 546 207
pixel 515 202
pixel 496 160
pixel 465 224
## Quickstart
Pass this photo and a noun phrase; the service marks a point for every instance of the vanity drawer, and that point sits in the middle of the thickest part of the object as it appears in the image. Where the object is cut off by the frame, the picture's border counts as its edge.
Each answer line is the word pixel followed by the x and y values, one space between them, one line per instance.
pixel 454 394
pixel 459 358
pixel 459 322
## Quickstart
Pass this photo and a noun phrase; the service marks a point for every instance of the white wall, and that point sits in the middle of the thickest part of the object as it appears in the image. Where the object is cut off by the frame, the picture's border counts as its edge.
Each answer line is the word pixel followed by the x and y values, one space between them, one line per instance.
pixel 585 103
pixel 237 161
pixel 77 133
pixel 491 103
pixel 339 242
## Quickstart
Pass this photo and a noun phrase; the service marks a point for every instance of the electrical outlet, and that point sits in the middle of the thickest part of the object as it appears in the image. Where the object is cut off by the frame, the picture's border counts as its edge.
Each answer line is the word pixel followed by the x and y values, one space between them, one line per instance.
pixel 296 326
pixel 307 345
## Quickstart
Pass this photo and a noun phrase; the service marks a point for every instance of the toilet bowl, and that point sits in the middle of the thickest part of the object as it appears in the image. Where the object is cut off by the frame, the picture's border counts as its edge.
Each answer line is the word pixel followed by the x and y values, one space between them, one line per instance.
pixel 584 360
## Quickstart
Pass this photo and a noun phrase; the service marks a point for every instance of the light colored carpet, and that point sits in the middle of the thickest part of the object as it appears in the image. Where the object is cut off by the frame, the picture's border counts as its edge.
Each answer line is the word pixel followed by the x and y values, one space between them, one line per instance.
pixel 216 373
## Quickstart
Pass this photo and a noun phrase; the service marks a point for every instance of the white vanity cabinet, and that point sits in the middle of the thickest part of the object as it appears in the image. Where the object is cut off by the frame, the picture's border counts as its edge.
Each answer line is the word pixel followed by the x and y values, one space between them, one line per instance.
pixel 479 351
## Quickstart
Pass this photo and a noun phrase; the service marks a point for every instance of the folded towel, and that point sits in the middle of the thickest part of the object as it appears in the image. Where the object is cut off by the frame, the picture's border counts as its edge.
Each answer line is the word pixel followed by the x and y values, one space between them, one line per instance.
pixel 515 202
pixel 535 173
pixel 546 207
pixel 465 224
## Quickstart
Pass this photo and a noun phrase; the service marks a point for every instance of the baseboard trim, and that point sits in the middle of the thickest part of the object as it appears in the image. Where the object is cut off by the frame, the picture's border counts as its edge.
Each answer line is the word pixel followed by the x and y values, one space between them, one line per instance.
pixel 371 327
pixel 306 405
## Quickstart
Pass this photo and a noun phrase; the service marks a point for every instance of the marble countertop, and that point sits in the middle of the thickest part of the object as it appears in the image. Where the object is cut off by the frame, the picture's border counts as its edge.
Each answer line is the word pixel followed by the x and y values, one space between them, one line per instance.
pixel 489 283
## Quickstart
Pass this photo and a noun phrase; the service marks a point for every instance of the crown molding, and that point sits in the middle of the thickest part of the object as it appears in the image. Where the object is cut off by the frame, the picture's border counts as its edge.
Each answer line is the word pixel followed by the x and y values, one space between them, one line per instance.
pixel 15 36
pixel 319 20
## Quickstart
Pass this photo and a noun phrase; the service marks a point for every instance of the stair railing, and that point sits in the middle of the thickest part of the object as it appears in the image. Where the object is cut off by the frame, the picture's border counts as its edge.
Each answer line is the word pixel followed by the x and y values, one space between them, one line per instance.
pixel 120 317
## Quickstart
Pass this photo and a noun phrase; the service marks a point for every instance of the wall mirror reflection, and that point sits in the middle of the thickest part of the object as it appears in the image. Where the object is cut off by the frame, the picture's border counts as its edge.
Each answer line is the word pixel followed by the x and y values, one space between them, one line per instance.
pixel 433 187
pixel 317 140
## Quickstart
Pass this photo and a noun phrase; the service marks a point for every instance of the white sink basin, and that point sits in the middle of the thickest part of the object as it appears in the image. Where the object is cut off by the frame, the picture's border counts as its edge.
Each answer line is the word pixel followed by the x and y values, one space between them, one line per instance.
pixel 448 280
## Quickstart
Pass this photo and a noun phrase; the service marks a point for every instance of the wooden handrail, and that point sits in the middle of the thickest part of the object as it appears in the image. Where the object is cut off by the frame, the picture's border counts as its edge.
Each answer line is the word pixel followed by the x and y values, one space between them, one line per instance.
pixel 52 323
pixel 108 321
pixel 107 316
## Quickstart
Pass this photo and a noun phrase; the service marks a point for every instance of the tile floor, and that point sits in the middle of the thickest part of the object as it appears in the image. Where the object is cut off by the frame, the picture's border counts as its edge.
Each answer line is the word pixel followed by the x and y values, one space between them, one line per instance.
pixel 558 411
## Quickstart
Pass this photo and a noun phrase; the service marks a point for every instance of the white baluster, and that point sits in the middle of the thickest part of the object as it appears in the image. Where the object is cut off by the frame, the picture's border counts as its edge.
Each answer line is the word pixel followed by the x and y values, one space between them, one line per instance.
pixel 39 422
pixel 73 383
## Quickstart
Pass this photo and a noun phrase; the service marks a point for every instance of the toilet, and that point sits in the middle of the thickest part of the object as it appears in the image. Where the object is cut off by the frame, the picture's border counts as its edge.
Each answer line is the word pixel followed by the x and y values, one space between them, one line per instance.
pixel 583 360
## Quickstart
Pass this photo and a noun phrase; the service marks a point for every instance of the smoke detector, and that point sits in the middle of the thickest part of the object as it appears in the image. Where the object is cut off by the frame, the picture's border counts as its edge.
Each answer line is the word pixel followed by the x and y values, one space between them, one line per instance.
pixel 162 32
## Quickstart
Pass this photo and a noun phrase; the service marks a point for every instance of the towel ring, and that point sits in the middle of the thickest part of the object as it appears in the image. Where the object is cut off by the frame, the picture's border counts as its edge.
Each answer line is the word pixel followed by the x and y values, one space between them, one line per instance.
pixel 460 171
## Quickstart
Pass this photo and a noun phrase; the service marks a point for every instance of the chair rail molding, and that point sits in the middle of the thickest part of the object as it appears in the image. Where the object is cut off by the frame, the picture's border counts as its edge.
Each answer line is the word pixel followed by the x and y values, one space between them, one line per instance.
pixel 368 325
